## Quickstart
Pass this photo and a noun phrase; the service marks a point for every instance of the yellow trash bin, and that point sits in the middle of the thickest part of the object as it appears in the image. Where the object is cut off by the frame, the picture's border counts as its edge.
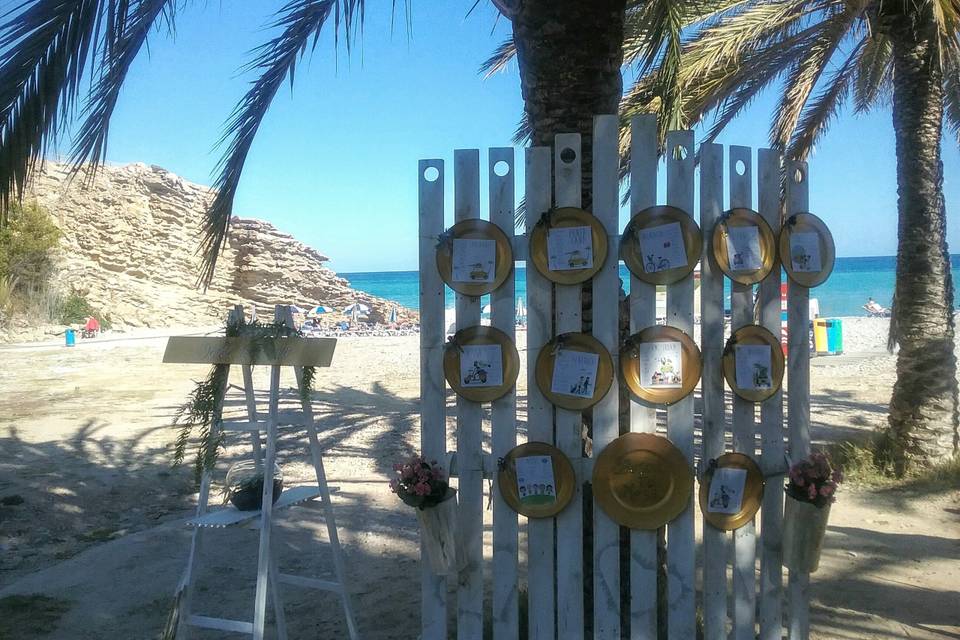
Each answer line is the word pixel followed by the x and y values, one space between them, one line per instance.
pixel 820 336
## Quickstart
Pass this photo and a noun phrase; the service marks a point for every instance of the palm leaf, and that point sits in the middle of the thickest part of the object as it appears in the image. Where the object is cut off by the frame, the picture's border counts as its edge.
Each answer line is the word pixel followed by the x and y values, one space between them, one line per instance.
pixel 873 80
pixel 301 22
pixel 951 91
pixel 499 59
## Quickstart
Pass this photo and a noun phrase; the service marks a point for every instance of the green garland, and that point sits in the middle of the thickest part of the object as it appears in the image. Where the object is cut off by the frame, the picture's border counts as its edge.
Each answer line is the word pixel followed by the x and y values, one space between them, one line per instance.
pixel 202 408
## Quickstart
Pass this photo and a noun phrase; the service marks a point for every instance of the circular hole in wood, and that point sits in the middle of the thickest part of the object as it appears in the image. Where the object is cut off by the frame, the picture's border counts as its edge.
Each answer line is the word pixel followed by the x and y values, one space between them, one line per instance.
pixel 740 167
pixel 568 155
pixel 430 174
pixel 501 168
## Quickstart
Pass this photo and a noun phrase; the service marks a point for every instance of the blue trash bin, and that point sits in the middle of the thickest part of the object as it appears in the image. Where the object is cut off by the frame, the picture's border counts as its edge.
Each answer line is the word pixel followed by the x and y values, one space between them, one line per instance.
pixel 71 337
pixel 835 336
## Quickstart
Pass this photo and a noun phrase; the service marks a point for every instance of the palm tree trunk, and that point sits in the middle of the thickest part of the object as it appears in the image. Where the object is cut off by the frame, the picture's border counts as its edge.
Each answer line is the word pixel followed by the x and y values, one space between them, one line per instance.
pixel 569 54
pixel 923 408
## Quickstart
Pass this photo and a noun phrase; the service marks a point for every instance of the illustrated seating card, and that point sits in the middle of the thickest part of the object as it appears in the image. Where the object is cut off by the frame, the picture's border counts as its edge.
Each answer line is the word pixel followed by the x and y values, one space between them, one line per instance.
pixel 481 365
pixel 569 248
pixel 575 373
pixel 743 248
pixel 662 247
pixel 753 366
pixel 474 260
pixel 805 251
pixel 726 490
pixel 535 482
pixel 661 364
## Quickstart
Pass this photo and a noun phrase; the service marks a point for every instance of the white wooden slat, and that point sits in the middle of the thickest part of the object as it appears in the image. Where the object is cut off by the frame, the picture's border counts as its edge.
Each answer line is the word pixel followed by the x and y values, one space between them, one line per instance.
pixel 744 428
pixel 466 199
pixel 541 598
pixel 606 329
pixel 568 423
pixel 643 312
pixel 503 413
pixel 714 405
pixel 771 420
pixel 681 549
pixel 798 398
pixel 433 609
pixel 219 624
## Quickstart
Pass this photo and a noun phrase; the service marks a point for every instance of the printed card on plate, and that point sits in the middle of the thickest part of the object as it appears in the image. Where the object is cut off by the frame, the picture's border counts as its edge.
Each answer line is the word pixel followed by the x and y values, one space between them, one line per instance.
pixel 575 373
pixel 535 481
pixel 753 366
pixel 743 248
pixel 481 365
pixel 726 490
pixel 661 364
pixel 474 260
pixel 569 248
pixel 805 251
pixel 662 247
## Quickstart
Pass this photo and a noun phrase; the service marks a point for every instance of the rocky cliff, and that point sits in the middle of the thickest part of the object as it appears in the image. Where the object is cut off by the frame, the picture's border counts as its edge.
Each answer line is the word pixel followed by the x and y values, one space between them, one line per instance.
pixel 129 246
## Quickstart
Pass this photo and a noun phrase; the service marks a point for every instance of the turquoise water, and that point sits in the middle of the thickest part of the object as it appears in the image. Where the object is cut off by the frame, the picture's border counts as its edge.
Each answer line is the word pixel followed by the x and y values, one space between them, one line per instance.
pixel 852 281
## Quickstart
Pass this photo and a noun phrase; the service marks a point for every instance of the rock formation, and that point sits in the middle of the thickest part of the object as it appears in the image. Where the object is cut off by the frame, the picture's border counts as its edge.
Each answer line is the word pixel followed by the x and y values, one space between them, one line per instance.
pixel 129 246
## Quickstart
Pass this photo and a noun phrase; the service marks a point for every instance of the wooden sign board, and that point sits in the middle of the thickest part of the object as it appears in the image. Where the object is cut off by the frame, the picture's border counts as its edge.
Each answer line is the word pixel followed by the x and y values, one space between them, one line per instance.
pixel 293 351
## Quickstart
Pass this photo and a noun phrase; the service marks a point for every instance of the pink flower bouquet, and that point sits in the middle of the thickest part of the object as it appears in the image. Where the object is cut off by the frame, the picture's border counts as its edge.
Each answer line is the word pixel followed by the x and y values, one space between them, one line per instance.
pixel 814 480
pixel 419 483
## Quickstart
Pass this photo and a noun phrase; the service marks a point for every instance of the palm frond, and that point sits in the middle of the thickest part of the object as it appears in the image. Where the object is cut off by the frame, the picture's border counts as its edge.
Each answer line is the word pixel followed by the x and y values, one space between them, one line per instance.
pixel 873 80
pixel 45 45
pixel 951 91
pixel 301 22
pixel 835 26
pixel 90 143
pixel 817 115
pixel 499 59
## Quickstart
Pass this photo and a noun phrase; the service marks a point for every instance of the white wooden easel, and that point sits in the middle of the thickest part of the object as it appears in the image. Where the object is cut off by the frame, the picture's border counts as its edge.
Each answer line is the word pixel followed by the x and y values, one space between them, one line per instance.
pixel 298 352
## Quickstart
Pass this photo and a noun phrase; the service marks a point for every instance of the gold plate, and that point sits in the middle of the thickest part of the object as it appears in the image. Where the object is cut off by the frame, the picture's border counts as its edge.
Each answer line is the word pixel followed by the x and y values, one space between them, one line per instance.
pixel 642 481
pixel 807 223
pixel 645 268
pixel 752 492
pixel 475 229
pixel 563 477
pixel 574 342
pixel 753 334
pixel 567 217
pixel 690 365
pixel 510 361
pixel 768 245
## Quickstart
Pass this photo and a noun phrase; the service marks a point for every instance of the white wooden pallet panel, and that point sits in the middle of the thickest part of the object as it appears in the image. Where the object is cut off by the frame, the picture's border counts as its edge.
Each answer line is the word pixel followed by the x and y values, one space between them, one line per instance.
pixel 503 413
pixel 798 397
pixel 643 419
pixel 568 423
pixel 466 199
pixel 771 420
pixel 433 429
pixel 714 405
pixel 606 329
pixel 541 596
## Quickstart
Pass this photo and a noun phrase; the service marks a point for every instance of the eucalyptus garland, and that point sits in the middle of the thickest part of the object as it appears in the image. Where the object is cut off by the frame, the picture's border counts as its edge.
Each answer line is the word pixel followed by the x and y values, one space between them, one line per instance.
pixel 202 409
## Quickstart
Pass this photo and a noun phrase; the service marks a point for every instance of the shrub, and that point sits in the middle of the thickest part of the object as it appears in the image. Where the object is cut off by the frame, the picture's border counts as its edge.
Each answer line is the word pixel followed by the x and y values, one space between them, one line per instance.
pixel 27 245
pixel 75 309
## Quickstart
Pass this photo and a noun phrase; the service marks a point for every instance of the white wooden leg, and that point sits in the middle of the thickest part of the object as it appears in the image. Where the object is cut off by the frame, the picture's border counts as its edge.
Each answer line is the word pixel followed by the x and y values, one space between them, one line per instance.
pixel 266 513
pixel 275 592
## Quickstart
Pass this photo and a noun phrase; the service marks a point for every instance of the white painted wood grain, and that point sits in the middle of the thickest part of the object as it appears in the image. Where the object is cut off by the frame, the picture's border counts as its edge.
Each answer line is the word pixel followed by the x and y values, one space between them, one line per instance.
pixel 771 420
pixel 504 413
pixel 606 321
pixel 541 596
pixel 744 422
pixel 643 313
pixel 681 550
pixel 466 203
pixel 433 429
pixel 798 398
pixel 714 405
pixel 568 423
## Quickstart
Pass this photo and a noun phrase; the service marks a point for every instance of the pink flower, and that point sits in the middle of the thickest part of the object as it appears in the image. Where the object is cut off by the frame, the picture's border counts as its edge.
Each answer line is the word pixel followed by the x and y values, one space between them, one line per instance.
pixel 421 489
pixel 826 490
pixel 812 492
pixel 837 476
pixel 799 481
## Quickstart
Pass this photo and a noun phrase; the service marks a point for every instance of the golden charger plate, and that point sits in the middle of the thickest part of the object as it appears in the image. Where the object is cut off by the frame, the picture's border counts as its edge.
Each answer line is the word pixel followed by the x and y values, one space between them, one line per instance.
pixel 807 223
pixel 563 477
pixel 475 229
pixel 752 492
pixel 690 365
pixel 575 342
pixel 659 270
pixel 753 334
pixel 565 217
pixel 642 481
pixel 768 246
pixel 477 375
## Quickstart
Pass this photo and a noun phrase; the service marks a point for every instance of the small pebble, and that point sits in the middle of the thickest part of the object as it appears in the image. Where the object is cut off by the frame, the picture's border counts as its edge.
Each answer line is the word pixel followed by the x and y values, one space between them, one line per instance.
pixel 12 500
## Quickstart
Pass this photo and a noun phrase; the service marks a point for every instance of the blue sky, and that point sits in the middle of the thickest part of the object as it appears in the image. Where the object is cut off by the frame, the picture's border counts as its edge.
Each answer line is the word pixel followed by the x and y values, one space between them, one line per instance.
pixel 335 162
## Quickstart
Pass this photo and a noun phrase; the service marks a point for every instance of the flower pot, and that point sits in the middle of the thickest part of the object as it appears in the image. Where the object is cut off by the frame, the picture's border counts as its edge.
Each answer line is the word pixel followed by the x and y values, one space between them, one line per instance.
pixel 244 485
pixel 438 532
pixel 804 526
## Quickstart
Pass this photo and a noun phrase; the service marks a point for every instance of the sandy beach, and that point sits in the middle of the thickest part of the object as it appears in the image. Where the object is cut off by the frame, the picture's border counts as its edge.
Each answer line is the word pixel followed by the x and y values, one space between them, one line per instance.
pixel 86 436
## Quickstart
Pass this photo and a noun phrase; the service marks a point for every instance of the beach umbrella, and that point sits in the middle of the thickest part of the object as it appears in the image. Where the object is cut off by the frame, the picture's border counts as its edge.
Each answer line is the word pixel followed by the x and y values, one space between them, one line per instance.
pixel 487 309
pixel 393 315
pixel 521 311
pixel 318 310
pixel 295 309
pixel 356 308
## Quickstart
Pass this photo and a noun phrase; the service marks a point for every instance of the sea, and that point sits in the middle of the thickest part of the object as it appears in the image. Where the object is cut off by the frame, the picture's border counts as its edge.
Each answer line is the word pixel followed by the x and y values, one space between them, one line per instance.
pixel 846 291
